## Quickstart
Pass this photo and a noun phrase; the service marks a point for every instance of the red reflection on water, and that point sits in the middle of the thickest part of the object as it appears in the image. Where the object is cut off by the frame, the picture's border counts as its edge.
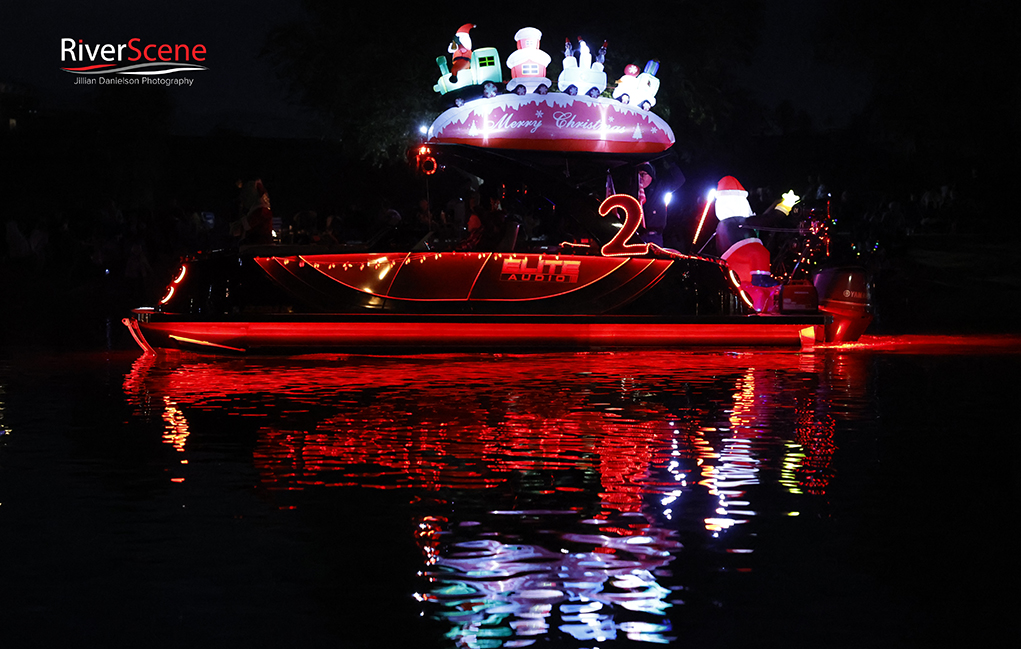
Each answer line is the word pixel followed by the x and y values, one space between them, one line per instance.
pixel 470 443
pixel 622 422
pixel 933 344
pixel 621 450
pixel 626 447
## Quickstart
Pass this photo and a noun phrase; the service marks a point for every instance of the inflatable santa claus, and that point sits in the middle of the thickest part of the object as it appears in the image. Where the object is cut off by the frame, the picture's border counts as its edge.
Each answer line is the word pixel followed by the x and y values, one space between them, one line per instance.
pixel 737 243
pixel 735 239
pixel 460 50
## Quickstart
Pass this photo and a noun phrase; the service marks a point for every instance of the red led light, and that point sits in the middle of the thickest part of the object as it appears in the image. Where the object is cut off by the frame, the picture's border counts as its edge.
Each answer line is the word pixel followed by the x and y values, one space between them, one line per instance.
pixel 701 221
pixel 428 165
pixel 461 334
pixel 633 217
pixel 425 161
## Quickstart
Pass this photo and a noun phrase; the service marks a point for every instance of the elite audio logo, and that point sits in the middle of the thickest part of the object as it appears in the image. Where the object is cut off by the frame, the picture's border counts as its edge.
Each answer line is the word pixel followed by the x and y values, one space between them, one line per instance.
pixel 545 270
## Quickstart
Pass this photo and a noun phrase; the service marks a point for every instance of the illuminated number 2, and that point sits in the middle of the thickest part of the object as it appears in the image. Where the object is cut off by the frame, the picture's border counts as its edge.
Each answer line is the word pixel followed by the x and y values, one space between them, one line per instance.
pixel 618 246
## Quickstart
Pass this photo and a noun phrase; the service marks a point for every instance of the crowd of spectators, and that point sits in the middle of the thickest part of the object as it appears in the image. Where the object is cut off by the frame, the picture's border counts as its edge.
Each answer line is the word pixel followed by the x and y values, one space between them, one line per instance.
pixel 130 252
pixel 107 250
pixel 864 216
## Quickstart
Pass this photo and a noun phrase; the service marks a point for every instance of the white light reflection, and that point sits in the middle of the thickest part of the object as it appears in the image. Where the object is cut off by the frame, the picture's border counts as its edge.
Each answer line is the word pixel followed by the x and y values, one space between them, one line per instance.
pixel 670 497
pixel 484 584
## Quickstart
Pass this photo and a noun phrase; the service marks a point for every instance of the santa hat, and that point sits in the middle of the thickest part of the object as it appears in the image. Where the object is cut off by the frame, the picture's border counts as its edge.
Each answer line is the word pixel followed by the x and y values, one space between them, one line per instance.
pixel 731 199
pixel 729 186
pixel 461 38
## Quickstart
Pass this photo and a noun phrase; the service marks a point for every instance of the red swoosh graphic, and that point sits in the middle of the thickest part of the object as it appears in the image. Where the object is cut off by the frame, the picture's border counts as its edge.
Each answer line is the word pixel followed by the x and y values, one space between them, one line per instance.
pixel 91 67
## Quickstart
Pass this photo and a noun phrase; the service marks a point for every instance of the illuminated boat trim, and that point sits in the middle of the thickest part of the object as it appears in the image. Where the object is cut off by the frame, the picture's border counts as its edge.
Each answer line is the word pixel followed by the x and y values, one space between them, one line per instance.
pixel 390 260
pixel 474 332
pixel 206 343
pixel 398 261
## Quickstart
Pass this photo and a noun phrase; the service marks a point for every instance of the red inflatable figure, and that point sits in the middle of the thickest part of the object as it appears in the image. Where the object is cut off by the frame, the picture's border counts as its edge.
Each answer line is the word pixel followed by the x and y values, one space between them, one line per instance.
pixel 460 51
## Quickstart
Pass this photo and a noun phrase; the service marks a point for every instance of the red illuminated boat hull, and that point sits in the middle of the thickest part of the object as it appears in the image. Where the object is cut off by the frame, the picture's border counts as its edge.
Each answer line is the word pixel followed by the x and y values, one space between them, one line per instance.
pixel 294 304
pixel 390 333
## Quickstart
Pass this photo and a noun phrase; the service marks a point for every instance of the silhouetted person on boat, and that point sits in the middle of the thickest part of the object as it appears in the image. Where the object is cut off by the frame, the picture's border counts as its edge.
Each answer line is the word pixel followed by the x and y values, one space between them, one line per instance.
pixel 494 220
pixel 486 224
pixel 654 219
pixel 255 227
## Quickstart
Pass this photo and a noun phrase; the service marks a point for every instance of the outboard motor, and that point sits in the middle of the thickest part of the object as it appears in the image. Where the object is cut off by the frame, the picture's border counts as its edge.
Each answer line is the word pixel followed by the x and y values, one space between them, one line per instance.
pixel 844 295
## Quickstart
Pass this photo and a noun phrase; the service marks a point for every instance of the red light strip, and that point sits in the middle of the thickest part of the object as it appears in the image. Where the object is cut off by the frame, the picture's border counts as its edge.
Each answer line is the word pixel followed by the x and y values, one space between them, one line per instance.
pixel 454 334
pixel 193 341
pixel 633 217
pixel 316 264
pixel 701 221
pixel 397 262
pixel 479 274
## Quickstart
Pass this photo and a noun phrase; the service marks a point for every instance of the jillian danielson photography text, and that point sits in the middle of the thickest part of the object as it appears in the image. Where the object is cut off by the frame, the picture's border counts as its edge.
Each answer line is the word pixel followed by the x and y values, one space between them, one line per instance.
pixel 133 81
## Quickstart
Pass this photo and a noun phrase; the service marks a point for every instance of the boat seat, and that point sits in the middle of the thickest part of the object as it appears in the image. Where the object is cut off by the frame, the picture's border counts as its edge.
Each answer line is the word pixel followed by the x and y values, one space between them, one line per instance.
pixel 510 238
pixel 423 243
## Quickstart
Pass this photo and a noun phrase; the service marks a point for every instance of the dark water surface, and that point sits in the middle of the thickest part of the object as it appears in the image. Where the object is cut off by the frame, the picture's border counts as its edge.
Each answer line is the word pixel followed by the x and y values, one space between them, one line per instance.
pixel 857 496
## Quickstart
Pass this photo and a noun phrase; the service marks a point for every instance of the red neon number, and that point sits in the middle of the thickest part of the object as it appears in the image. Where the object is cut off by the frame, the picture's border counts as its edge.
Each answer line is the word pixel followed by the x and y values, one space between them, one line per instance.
pixel 618 246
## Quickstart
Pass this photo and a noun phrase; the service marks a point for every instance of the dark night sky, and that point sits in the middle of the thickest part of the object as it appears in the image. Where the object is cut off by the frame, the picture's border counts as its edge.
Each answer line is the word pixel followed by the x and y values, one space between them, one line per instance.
pixel 240 90
pixel 784 67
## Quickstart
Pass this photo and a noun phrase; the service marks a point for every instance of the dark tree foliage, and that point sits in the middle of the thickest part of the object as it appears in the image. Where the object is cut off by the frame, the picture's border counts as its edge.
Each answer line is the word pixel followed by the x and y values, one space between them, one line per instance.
pixel 370 67
pixel 362 65
pixel 944 77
